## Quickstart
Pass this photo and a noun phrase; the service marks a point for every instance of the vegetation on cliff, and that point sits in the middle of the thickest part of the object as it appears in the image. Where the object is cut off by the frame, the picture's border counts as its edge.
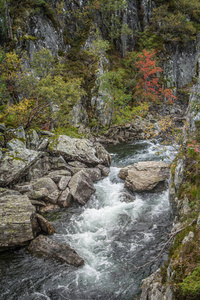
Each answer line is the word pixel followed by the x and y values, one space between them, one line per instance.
pixel 100 55
pixel 70 77
pixel 181 272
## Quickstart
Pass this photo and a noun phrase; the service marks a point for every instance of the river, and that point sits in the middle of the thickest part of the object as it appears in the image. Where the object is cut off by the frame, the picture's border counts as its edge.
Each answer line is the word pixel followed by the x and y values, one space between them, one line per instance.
pixel 115 232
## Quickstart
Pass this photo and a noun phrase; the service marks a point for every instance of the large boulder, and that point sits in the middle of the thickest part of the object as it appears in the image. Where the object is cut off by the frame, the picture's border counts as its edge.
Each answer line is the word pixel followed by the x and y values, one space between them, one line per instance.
pixel 82 150
pixel 44 189
pixel 81 187
pixel 16 216
pixel 145 176
pixel 15 164
pixel 103 156
pixel 43 245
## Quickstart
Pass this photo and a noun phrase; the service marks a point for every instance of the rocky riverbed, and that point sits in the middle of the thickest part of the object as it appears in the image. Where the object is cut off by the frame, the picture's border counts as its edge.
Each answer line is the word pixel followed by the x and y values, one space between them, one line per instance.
pixel 42 172
pixel 116 231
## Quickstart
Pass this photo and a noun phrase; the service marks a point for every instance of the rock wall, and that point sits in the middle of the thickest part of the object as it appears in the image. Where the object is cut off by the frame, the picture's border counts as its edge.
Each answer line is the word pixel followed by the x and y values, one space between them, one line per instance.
pixel 174 280
pixel 58 27
pixel 181 65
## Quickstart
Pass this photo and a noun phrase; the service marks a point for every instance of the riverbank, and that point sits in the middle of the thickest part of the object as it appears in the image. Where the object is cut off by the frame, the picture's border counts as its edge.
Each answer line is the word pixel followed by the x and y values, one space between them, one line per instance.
pixel 179 277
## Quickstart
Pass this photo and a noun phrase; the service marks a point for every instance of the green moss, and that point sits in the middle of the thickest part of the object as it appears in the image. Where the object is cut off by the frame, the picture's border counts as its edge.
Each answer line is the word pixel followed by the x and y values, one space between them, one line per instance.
pixel 29 37
pixel 61 52
pixel 53 142
pixel 53 216
pixel 178 241
pixel 191 284
pixel 69 131
pixel 173 167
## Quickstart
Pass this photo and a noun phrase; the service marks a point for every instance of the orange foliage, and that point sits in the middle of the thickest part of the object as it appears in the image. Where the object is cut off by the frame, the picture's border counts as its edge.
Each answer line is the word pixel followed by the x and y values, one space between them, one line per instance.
pixel 148 87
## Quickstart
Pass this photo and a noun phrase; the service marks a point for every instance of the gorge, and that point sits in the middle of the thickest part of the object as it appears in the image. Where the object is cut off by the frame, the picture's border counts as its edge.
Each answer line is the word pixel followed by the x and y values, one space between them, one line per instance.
pixel 75 77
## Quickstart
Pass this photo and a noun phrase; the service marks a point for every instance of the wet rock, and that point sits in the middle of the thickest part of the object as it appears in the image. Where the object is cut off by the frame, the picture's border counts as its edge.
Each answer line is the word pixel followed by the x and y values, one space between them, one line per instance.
pixel 45 225
pixel 35 226
pixel 127 197
pixel 81 187
pixel 145 176
pixel 73 149
pixel 43 245
pixel 125 133
pixel 65 199
pixel 16 214
pixel 15 164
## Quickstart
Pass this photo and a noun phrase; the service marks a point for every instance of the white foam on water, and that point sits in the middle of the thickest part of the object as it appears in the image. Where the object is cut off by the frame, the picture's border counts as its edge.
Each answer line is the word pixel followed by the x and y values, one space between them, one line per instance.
pixel 148 236
pixel 162 204
pixel 44 296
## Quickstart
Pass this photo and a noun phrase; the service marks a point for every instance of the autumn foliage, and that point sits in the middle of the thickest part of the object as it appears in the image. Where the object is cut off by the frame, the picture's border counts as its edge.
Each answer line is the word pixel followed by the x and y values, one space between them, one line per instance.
pixel 193 145
pixel 148 87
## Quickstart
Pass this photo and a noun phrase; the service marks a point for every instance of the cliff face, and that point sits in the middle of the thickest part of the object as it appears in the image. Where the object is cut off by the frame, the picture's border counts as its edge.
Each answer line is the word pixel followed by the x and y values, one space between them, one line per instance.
pixel 62 26
pixel 182 64
pixel 179 278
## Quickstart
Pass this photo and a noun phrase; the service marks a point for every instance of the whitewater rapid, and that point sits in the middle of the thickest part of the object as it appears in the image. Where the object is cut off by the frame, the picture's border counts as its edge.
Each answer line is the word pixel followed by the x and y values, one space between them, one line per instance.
pixel 112 234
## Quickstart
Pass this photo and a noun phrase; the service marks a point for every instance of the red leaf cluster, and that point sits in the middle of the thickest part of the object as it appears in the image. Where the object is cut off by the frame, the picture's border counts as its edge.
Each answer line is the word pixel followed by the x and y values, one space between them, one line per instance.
pixel 148 86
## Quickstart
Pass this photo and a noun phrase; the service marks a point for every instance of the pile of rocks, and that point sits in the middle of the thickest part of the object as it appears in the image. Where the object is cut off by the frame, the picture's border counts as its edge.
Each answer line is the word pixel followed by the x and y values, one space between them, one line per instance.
pixel 39 172
pixel 138 130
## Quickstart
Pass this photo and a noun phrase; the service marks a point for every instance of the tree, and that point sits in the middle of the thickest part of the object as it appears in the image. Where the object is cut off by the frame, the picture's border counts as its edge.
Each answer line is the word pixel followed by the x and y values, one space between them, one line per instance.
pixel 43 95
pixel 10 72
pixel 148 87
pixel 172 26
pixel 42 63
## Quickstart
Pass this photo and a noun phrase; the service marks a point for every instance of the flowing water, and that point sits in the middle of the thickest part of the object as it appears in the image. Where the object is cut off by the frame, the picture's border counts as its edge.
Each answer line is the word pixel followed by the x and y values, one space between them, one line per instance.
pixel 114 232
